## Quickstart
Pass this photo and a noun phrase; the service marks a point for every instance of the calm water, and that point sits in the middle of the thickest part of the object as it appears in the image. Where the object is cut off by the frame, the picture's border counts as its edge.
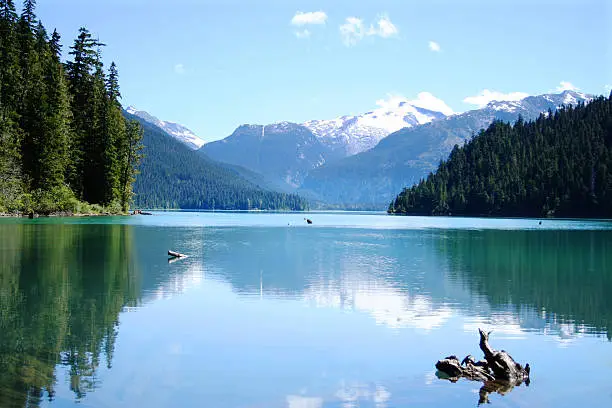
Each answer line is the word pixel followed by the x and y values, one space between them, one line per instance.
pixel 352 311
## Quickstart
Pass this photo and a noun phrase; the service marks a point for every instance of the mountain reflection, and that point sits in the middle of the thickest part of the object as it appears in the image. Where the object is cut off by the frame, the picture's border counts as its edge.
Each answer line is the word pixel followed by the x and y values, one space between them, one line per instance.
pixel 62 288
pixel 554 282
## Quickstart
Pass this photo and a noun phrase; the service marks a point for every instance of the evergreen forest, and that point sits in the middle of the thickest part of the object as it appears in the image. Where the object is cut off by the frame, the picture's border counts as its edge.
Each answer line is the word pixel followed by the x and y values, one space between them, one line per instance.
pixel 65 145
pixel 174 176
pixel 557 165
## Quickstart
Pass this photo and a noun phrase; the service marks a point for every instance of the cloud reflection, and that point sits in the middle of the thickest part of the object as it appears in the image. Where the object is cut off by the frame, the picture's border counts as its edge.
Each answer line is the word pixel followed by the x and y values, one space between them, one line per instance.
pixel 389 305
pixel 298 401
pixel 352 394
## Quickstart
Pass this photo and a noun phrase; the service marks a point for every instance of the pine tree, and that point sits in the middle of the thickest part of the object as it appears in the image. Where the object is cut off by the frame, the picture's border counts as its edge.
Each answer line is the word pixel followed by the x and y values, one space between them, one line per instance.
pixel 62 132
pixel 10 78
pixel 115 128
pixel 55 46
pixel 81 88
pixel 57 131
pixel 31 106
pixel 129 159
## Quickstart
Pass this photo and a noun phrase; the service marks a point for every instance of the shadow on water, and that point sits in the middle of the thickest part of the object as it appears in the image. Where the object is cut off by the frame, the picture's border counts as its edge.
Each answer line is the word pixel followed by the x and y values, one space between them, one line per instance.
pixel 62 288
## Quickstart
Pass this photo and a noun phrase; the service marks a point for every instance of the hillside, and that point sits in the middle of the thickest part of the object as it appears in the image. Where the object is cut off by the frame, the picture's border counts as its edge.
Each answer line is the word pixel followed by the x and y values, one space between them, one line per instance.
pixel 374 177
pixel 558 165
pixel 174 176
pixel 283 153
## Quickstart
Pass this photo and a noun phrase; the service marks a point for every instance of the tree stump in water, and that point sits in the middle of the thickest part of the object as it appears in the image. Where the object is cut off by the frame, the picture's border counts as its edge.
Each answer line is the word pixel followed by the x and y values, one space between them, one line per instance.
pixel 499 372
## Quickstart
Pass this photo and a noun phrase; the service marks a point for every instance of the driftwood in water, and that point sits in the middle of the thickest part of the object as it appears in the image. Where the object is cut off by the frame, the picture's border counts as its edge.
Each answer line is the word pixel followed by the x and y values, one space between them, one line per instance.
pixel 501 363
pixel 308 220
pixel 140 212
pixel 499 372
pixel 176 254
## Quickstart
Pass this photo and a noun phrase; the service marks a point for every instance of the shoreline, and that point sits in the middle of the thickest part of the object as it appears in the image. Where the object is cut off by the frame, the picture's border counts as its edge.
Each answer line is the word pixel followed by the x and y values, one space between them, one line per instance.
pixel 61 214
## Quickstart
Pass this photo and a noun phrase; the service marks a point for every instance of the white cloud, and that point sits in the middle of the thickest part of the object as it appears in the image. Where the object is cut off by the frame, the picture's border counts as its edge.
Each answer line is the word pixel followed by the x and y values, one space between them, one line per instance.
pixel 179 69
pixel 352 31
pixel 426 100
pixel 486 96
pixel 423 100
pixel 566 86
pixel 303 34
pixel 608 88
pixel 311 17
pixel 384 28
pixel 434 46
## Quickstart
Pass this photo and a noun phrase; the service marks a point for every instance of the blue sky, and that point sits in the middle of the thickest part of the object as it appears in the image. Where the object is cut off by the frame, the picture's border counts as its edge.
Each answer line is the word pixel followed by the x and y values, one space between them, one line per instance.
pixel 215 64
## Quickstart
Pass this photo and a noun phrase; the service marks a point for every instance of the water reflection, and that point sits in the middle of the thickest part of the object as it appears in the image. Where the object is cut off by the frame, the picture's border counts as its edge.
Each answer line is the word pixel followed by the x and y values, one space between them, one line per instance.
pixel 553 282
pixel 61 291
pixel 62 288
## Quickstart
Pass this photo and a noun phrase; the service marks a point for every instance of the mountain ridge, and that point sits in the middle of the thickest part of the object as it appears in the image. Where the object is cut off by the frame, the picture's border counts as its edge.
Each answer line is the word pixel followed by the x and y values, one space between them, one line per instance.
pixel 374 177
pixel 176 130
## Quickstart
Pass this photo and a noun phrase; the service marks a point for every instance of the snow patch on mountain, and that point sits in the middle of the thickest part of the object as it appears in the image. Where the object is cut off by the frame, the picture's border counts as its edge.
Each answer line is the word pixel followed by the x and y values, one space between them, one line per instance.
pixel 175 130
pixel 357 133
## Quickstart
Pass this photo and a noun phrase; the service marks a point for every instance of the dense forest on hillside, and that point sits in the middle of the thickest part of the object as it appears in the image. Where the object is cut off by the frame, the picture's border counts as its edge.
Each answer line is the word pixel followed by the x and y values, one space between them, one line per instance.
pixel 558 165
pixel 174 176
pixel 63 139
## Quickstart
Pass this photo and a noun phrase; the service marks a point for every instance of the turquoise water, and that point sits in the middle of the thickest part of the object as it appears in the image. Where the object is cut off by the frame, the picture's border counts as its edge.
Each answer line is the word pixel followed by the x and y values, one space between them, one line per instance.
pixel 266 311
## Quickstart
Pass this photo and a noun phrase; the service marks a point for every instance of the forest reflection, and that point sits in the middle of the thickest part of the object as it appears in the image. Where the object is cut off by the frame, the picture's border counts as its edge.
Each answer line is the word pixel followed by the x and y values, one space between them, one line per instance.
pixel 62 288
pixel 563 275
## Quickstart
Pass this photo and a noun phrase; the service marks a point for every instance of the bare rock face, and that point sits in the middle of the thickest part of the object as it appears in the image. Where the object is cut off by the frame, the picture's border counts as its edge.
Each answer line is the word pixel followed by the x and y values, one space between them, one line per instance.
pixel 498 371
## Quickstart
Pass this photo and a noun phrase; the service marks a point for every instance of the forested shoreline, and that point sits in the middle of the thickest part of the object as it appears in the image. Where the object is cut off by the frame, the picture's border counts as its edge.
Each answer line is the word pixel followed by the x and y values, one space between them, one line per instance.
pixel 559 165
pixel 65 146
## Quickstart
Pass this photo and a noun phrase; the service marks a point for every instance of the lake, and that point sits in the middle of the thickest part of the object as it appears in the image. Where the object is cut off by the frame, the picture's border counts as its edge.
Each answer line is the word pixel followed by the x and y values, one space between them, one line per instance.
pixel 266 311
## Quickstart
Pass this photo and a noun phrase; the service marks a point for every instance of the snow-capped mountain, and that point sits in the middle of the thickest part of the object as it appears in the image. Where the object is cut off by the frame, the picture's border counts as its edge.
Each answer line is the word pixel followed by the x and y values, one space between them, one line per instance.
pixel 352 134
pixel 532 106
pixel 175 130
pixel 376 176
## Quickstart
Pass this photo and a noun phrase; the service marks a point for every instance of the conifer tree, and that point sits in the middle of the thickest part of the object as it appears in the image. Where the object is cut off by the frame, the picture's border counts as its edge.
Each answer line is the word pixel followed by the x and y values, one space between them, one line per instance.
pixel 57 131
pixel 80 80
pixel 129 159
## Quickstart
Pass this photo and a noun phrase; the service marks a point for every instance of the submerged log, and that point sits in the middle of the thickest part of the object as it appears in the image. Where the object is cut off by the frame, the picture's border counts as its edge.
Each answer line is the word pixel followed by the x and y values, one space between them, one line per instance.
pixel 498 371
pixel 468 369
pixel 501 363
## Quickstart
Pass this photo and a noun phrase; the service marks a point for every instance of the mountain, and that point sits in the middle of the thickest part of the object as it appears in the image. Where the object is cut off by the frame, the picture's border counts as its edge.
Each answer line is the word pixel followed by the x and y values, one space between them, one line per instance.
pixel 175 130
pixel 349 135
pixel 174 176
pixel 556 165
pixel 283 152
pixel 374 177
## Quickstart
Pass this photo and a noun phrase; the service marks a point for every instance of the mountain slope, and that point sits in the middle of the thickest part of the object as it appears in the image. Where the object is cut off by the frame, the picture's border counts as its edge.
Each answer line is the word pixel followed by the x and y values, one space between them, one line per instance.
pixel 283 152
pixel 374 177
pixel 349 135
pixel 175 130
pixel 174 176
pixel 555 165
